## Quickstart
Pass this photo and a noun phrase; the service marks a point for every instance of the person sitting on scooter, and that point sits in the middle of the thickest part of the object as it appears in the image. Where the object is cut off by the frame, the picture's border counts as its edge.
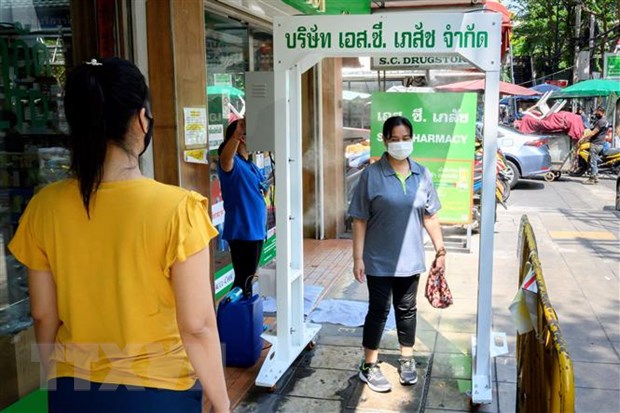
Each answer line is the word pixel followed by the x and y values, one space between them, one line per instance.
pixel 596 136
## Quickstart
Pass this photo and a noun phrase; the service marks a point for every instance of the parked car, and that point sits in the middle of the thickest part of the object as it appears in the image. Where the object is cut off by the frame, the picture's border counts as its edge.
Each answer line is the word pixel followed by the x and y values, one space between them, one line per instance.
pixel 526 154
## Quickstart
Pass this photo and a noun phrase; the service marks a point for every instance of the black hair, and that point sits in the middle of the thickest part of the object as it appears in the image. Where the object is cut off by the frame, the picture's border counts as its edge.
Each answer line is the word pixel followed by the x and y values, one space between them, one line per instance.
pixel 600 109
pixel 230 130
pixel 100 100
pixel 393 122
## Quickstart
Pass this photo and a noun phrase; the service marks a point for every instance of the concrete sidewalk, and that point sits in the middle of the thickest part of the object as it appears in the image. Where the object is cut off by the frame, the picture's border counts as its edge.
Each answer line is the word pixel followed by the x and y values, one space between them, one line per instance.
pixel 325 378
pixel 579 251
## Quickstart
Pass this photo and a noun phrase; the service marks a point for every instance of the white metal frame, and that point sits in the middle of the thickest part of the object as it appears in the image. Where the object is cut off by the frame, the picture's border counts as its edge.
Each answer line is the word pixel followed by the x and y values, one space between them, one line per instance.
pixel 293 333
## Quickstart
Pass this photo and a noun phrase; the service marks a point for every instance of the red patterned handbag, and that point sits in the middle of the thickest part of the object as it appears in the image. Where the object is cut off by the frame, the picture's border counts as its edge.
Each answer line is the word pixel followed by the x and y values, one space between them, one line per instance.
pixel 437 291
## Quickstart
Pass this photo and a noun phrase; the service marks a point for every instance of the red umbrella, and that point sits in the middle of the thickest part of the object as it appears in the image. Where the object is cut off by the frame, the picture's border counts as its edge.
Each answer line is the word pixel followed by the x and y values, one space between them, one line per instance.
pixel 478 86
pixel 506 23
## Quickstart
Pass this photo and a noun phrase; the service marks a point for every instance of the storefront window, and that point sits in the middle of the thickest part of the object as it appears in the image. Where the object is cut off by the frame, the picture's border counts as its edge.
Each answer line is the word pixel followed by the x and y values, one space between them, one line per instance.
pixel 233 48
pixel 227 61
pixel 35 50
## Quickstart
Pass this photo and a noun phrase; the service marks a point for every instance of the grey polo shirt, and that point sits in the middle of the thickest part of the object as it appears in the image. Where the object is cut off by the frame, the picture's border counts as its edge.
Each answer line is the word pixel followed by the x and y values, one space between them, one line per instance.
pixel 394 243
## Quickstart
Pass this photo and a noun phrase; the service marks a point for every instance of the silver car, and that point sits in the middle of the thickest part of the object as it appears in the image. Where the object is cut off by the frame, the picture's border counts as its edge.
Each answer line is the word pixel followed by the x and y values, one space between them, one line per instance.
pixel 526 154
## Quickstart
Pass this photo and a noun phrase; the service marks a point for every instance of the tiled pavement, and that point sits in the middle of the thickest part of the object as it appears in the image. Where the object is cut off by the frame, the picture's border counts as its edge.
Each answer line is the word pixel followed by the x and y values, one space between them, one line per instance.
pixel 325 379
pixel 579 252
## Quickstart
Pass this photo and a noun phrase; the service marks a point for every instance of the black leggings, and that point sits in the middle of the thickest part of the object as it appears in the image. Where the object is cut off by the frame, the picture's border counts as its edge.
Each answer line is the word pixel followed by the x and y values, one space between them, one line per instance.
pixel 245 256
pixel 380 293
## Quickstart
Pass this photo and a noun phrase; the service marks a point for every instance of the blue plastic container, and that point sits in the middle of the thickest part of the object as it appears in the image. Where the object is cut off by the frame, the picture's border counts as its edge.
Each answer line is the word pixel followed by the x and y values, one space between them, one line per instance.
pixel 240 324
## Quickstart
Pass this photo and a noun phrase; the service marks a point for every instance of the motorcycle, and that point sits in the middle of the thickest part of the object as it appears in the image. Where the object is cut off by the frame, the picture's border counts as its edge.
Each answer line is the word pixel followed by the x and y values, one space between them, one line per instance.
pixel 502 183
pixel 609 160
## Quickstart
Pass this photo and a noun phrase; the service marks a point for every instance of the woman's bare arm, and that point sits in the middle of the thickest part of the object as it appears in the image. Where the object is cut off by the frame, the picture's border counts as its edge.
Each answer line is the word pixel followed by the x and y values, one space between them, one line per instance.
pixel 198 326
pixel 44 310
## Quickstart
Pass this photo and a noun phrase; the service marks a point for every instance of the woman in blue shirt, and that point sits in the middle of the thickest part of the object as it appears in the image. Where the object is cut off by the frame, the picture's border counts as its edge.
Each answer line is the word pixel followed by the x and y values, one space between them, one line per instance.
pixel 393 203
pixel 243 187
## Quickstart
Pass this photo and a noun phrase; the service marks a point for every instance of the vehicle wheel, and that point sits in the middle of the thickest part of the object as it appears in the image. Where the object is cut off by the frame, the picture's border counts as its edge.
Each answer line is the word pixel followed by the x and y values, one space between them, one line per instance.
pixel 512 173
pixel 580 169
pixel 550 176
pixel 557 174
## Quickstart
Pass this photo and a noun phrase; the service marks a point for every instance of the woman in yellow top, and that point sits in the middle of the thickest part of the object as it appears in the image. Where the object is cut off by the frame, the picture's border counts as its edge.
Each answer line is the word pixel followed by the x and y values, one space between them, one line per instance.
pixel 118 265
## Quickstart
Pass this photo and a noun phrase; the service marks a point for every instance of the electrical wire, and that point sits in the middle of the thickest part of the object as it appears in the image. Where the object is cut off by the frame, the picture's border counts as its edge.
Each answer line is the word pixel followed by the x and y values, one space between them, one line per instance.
pixel 546 76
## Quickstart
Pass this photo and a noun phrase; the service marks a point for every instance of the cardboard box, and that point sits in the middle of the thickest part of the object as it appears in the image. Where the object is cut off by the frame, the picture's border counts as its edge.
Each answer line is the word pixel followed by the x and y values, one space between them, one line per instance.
pixel 20 370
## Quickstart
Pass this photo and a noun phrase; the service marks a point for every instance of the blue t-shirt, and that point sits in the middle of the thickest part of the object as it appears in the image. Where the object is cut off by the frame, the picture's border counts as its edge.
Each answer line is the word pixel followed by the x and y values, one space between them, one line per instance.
pixel 394 242
pixel 246 211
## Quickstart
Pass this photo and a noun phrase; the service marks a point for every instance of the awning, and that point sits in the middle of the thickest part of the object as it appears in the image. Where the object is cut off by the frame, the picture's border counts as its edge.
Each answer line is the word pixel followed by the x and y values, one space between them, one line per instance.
pixel 478 86
pixel 589 88
pixel 220 89
pixel 542 88
pixel 350 95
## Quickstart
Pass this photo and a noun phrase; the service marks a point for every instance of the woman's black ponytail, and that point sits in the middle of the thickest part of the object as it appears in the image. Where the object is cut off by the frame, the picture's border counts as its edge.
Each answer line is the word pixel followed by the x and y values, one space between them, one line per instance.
pixel 100 100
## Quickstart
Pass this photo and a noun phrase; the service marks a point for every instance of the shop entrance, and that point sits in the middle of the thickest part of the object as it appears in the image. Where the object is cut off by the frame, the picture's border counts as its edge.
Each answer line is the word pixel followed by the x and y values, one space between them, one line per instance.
pixel 299 43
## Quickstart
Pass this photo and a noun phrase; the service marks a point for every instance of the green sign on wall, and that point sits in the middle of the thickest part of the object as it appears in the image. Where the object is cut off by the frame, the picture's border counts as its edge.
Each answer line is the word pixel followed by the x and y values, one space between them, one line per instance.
pixel 225 276
pixel 612 66
pixel 330 6
pixel 269 248
pixel 444 126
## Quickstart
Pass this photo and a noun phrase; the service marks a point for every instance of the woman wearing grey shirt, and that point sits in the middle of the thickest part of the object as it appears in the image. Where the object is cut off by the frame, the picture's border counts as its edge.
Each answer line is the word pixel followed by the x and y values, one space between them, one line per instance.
pixel 393 202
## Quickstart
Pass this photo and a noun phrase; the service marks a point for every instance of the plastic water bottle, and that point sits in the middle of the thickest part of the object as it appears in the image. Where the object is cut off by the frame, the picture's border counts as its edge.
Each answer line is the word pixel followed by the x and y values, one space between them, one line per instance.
pixel 234 295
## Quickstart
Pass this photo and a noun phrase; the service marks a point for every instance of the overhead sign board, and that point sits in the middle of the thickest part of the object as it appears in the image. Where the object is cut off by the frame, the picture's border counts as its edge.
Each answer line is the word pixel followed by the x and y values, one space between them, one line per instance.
pixel 612 66
pixel 419 62
pixel 474 36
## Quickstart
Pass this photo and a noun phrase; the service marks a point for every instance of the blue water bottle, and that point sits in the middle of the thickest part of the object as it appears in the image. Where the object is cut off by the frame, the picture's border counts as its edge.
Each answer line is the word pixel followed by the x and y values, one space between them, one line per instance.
pixel 234 295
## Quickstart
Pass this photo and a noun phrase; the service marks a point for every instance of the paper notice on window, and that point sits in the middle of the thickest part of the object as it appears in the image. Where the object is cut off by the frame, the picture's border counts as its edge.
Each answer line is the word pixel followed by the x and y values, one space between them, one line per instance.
pixel 196 156
pixel 217 213
pixel 195 126
pixel 216 136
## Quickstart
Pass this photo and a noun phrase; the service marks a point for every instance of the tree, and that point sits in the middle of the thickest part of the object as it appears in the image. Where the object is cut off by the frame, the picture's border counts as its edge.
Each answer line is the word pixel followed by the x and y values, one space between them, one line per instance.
pixel 544 30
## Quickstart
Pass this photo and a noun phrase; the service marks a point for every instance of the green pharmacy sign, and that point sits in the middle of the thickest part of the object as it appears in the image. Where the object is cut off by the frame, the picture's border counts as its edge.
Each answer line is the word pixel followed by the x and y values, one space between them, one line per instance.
pixel 330 6
pixel 444 127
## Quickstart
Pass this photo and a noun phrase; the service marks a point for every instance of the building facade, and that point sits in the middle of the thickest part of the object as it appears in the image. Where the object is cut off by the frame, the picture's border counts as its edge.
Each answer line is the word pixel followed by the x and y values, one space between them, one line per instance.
pixel 194 55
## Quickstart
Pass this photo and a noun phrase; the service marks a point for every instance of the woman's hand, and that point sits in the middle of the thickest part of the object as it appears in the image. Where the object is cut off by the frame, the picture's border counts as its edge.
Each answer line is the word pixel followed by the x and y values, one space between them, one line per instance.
pixel 359 270
pixel 239 138
pixel 208 407
pixel 439 265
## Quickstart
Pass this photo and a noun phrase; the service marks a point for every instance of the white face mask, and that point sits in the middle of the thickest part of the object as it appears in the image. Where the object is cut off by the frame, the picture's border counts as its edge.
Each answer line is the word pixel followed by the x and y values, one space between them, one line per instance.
pixel 400 150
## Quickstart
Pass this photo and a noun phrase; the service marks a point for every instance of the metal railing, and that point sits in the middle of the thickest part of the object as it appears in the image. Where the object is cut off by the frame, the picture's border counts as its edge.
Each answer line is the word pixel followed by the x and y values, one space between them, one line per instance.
pixel 545 380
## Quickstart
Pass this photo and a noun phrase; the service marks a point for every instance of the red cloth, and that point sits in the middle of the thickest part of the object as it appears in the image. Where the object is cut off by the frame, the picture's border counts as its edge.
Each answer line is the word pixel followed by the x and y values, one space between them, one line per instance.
pixel 566 122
